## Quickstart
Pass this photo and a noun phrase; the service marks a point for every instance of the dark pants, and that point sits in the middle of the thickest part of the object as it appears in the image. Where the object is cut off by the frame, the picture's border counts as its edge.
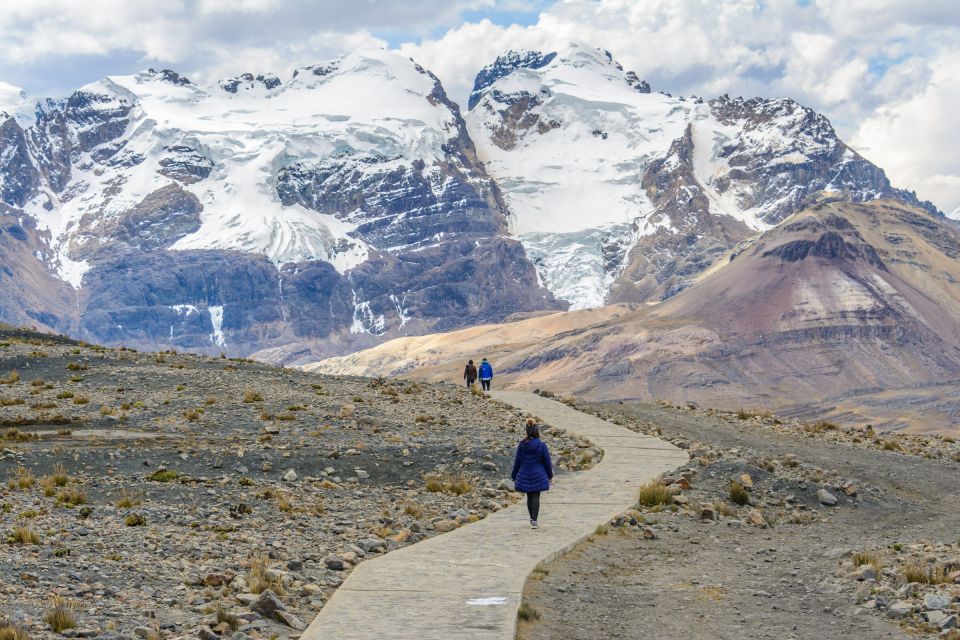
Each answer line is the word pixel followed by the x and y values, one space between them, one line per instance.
pixel 485 384
pixel 533 504
pixel 470 382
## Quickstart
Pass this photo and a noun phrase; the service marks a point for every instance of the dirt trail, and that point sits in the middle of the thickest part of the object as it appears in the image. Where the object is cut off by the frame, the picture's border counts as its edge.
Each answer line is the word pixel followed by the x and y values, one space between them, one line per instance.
pixel 713 580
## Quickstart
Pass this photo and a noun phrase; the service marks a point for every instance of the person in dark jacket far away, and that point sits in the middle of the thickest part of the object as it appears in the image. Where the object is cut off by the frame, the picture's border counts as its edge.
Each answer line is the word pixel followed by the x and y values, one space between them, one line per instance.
pixel 486 374
pixel 470 374
pixel 532 471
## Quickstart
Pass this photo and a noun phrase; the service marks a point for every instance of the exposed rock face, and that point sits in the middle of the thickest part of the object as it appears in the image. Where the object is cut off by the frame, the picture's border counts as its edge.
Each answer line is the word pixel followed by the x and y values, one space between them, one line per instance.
pixel 841 298
pixel 645 191
pixel 196 218
pixel 29 293
pixel 156 222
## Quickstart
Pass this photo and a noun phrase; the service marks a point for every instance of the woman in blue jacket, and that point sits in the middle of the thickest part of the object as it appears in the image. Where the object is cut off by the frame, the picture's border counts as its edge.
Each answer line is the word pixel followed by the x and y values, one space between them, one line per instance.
pixel 532 471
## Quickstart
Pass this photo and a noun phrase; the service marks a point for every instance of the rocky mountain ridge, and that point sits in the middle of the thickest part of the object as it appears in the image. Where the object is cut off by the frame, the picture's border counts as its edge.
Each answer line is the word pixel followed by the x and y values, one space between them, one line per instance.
pixel 352 203
pixel 620 194
pixel 343 205
pixel 846 309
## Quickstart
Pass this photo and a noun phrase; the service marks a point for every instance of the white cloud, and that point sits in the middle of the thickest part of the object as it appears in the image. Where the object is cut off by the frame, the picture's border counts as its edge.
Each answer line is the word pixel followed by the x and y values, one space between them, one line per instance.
pixel 915 139
pixel 879 69
pixel 882 63
pixel 10 97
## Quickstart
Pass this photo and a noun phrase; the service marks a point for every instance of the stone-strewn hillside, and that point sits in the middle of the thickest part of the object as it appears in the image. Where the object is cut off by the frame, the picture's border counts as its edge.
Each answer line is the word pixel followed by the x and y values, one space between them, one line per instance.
pixel 839 301
pixel 161 495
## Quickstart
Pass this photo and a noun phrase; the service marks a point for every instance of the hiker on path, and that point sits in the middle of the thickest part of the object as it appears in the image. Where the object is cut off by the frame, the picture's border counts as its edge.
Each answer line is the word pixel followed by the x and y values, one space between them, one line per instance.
pixel 486 374
pixel 532 471
pixel 470 374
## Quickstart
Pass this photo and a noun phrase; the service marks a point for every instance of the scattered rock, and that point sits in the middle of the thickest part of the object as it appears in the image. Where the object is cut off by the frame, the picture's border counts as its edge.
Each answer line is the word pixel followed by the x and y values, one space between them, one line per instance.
pixel 445 526
pixel 826 498
pixel 267 604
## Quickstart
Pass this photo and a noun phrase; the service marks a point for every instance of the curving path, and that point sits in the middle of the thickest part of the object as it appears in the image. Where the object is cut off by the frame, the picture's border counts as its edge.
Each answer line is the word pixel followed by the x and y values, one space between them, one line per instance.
pixel 468 583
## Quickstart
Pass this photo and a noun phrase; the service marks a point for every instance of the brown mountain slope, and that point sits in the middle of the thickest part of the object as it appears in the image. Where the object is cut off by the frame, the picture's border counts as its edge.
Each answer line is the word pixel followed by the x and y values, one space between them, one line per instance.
pixel 837 299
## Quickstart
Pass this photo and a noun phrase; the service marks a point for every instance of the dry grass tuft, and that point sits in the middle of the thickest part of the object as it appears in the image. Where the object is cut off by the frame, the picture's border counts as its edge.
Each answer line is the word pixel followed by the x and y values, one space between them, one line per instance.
pixel 72 497
pixel 135 520
pixel 60 615
pixel 127 501
pixel 738 494
pixel 260 578
pixel 22 479
pixel 11 378
pixel 527 612
pixel 413 509
pixel 8 631
pixel 24 535
pixel 654 493
pixel 871 558
pixel 251 396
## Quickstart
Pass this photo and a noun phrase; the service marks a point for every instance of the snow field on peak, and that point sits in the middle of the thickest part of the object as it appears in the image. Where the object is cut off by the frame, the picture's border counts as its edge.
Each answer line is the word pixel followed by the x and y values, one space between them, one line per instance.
pixel 372 103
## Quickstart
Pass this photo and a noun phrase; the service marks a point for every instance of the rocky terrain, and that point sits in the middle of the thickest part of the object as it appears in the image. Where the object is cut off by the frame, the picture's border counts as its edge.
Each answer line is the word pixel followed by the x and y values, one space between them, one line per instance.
pixel 843 311
pixel 643 191
pixel 322 212
pixel 295 218
pixel 160 495
pixel 775 529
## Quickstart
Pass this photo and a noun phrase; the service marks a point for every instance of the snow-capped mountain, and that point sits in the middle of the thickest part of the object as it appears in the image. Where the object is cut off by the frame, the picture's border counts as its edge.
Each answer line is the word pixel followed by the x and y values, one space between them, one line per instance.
pixel 350 203
pixel 621 194
pixel 256 213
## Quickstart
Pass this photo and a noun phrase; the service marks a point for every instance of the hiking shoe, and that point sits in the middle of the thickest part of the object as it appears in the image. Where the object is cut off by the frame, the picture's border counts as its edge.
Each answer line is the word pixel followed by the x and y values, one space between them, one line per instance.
pixel 533 524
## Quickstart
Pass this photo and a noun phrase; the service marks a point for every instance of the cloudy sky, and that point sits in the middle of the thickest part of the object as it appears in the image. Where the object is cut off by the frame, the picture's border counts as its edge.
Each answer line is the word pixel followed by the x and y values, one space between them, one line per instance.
pixel 886 72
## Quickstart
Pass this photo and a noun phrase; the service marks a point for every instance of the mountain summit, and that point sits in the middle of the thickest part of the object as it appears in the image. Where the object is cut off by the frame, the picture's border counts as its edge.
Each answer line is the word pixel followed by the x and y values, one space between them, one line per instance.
pixel 351 203
pixel 622 194
pixel 346 201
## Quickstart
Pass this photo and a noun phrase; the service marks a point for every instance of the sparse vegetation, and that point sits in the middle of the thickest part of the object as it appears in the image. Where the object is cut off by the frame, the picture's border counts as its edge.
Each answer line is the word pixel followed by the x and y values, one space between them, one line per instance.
pixel 72 497
pixel 135 520
pixel 126 500
pixel 456 485
pixel 25 534
pixel 250 395
pixel 11 378
pixel 163 475
pixel 738 493
pixel 260 578
pixel 413 509
pixel 527 612
pixel 654 493
pixel 60 615
pixel 871 558
pixel 22 479
pixel 9 631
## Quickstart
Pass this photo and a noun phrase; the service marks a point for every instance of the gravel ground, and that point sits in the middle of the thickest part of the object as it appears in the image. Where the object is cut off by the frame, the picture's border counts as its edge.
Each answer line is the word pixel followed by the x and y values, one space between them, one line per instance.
pixel 791 574
pixel 157 495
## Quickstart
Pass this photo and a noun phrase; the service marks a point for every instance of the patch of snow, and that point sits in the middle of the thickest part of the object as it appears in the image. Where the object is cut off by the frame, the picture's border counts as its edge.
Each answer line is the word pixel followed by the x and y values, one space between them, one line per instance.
pixel 367 103
pixel 364 320
pixel 401 309
pixel 216 321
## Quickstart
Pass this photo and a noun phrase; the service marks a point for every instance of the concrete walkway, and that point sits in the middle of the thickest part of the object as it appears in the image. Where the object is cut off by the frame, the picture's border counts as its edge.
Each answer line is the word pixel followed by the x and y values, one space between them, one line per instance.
pixel 468 583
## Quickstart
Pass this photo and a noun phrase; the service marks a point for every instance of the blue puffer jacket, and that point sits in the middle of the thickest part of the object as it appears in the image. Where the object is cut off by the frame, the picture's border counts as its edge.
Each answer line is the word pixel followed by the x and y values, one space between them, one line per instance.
pixel 532 470
pixel 486 371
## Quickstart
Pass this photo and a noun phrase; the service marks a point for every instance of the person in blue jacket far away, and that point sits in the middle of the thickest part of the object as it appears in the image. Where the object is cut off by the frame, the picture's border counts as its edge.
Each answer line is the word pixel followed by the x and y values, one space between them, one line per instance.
pixel 486 374
pixel 532 471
